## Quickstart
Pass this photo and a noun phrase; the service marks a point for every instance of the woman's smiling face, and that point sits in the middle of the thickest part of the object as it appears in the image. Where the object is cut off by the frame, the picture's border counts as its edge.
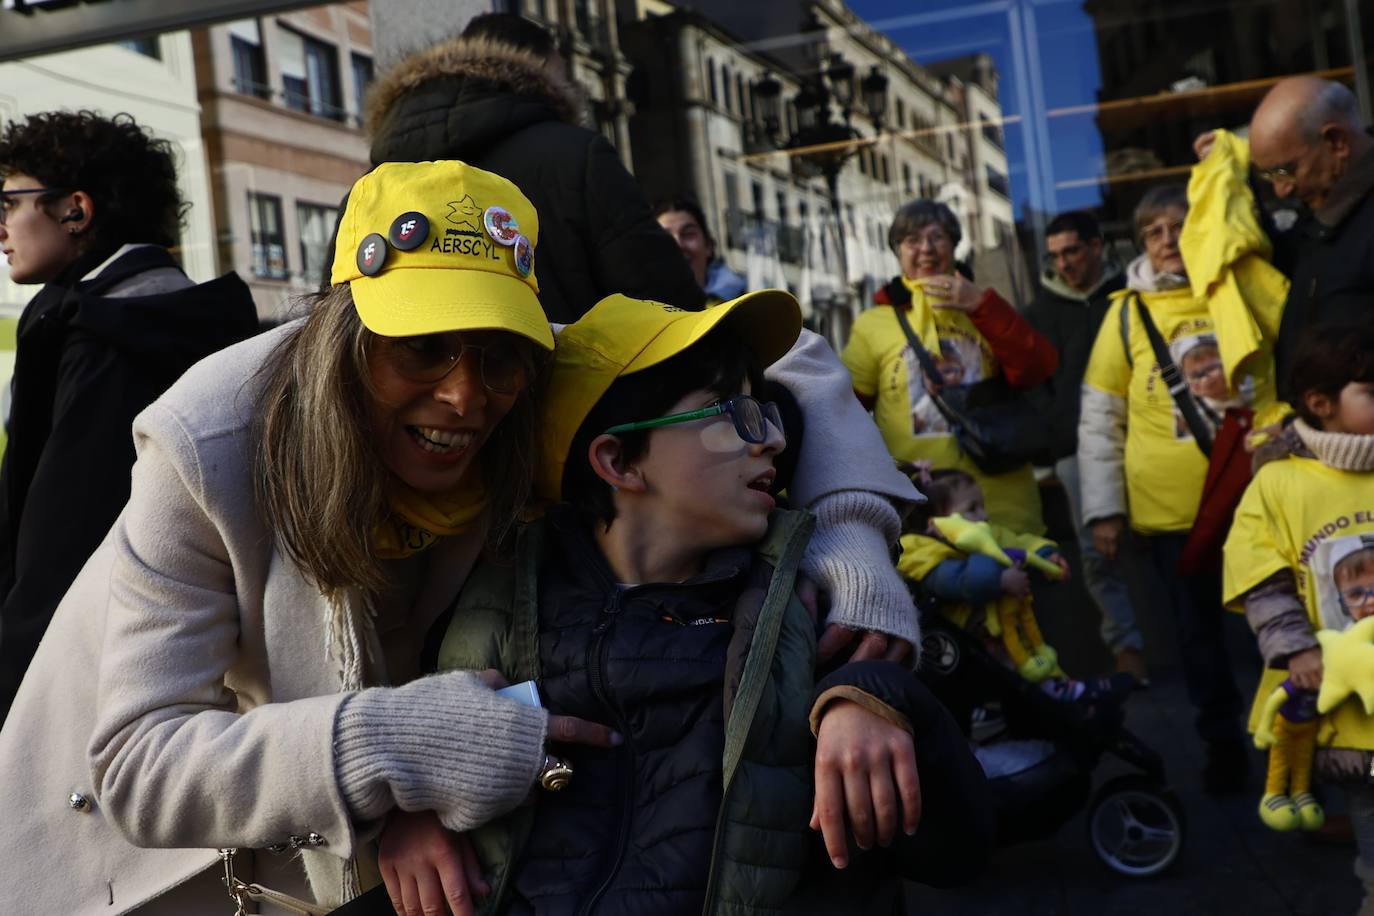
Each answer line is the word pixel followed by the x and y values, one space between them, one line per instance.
pixel 429 432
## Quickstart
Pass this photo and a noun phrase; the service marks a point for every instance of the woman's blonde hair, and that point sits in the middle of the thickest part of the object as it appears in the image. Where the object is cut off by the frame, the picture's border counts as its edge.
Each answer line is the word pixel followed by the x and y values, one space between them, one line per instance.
pixel 320 481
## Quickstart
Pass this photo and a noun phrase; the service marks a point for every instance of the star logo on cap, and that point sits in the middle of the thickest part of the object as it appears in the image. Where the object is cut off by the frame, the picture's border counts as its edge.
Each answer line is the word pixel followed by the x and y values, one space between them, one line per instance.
pixel 466 213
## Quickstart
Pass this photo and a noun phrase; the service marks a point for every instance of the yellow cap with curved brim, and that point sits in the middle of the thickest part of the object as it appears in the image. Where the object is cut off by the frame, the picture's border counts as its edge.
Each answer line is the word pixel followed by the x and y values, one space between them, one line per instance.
pixel 620 336
pixel 429 247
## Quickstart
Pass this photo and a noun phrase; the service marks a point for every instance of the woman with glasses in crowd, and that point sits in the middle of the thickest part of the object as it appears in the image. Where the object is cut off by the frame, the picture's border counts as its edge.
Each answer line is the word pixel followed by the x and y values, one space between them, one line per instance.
pixel 971 334
pixel 89 207
pixel 1143 464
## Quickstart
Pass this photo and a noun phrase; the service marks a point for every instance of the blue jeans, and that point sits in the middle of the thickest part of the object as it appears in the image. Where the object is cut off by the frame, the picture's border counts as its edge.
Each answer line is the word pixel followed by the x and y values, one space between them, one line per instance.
pixel 1199 621
pixel 1101 576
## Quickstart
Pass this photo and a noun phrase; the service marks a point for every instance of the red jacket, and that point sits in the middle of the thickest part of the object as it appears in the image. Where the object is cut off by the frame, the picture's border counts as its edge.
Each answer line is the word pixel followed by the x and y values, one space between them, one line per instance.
pixel 1027 357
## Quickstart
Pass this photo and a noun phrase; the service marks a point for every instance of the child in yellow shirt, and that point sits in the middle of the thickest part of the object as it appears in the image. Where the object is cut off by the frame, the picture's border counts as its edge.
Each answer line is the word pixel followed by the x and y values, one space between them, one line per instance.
pixel 1300 556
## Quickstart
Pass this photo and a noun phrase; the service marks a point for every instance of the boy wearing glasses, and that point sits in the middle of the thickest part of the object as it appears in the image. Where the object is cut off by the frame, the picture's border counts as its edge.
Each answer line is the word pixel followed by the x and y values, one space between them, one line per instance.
pixel 1300 556
pixel 660 598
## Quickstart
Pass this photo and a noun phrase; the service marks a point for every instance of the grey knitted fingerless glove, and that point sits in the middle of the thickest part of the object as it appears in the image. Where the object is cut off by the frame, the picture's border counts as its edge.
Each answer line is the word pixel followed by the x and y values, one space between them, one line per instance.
pixel 850 559
pixel 445 743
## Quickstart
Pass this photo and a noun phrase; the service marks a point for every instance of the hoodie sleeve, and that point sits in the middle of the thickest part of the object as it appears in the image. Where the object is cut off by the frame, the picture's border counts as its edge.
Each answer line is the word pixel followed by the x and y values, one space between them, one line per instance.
pixel 1027 357
pixel 633 255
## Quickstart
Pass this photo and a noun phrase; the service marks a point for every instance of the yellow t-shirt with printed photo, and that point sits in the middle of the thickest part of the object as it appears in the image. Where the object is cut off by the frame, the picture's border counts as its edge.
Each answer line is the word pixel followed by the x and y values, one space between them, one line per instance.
pixel 1318 522
pixel 884 367
pixel 1164 468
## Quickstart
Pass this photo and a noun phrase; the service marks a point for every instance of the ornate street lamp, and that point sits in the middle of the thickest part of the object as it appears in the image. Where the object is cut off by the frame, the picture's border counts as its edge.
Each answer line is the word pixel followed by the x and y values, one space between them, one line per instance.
pixel 821 142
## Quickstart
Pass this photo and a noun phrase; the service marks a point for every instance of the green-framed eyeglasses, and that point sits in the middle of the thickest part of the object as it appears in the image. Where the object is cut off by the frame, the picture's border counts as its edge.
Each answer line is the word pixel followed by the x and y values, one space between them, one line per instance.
pixel 751 418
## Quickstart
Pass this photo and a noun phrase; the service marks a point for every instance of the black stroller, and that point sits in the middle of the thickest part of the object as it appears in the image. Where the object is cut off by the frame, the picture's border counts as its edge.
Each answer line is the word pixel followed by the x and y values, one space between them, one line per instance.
pixel 1135 821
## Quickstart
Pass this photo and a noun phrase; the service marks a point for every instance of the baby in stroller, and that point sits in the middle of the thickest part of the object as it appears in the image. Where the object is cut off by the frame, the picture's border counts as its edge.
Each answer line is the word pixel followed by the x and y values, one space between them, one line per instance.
pixel 1039 736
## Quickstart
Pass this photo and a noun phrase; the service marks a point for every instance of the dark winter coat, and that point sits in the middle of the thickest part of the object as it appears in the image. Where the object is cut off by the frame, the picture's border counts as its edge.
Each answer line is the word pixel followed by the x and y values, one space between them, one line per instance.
pixel 704 808
pixel 90 356
pixel 1070 319
pixel 1330 259
pixel 502 111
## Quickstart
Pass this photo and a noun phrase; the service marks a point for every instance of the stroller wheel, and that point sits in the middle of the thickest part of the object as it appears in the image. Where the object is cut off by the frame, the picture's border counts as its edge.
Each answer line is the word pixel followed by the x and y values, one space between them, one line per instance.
pixel 1135 827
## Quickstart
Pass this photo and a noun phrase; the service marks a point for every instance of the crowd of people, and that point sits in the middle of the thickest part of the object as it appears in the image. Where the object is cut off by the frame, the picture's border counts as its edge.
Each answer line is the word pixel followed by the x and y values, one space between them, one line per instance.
pixel 412 604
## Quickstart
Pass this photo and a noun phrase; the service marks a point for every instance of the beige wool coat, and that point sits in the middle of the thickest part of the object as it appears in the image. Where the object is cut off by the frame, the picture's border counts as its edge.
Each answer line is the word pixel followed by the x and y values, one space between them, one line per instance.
pixel 184 690
pixel 184 697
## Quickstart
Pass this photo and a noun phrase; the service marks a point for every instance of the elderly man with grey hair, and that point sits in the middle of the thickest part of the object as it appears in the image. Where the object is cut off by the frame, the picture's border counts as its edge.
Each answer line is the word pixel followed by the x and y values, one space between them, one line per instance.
pixel 1307 140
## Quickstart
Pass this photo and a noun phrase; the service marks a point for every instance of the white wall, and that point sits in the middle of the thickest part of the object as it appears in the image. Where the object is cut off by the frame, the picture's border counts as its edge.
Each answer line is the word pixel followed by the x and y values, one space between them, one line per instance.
pixel 160 94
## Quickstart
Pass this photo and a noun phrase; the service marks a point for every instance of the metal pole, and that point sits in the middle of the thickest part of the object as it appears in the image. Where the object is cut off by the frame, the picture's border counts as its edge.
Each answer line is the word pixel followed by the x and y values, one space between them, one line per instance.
pixel 832 182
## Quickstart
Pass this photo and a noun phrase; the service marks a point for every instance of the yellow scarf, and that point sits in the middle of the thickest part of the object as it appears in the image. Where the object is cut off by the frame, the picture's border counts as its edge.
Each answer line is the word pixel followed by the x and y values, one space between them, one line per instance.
pixel 417 521
pixel 922 315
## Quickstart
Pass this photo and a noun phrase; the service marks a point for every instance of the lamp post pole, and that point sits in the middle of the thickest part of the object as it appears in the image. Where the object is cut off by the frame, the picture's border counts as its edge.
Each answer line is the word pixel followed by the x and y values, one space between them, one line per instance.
pixel 825 144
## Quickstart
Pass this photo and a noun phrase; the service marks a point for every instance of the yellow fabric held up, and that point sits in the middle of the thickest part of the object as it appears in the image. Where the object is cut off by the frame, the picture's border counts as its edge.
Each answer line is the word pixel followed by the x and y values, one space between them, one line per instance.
pixel 1227 254
pixel 922 315
pixel 417 520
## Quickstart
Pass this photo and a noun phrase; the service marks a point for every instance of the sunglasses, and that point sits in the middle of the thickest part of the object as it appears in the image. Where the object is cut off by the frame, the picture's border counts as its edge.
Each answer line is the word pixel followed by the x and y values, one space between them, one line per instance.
pixel 9 199
pixel 751 418
pixel 505 365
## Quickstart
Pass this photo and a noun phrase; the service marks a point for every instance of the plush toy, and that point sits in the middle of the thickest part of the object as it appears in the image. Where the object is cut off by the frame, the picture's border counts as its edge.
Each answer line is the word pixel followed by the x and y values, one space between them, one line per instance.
pixel 1010 618
pixel 1288 728
pixel 1290 720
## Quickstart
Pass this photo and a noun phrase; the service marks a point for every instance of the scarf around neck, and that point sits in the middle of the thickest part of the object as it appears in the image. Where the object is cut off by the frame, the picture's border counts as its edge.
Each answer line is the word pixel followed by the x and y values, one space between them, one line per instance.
pixel 1342 451
pixel 417 521
pixel 922 315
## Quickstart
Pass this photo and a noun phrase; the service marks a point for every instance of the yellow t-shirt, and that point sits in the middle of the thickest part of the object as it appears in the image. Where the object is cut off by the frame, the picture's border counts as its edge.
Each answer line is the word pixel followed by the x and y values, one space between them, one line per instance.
pixel 1164 468
pixel 884 367
pixel 1300 515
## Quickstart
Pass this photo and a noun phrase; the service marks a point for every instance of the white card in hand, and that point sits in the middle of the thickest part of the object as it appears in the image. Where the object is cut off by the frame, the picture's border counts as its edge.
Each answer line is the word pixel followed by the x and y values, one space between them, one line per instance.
pixel 525 692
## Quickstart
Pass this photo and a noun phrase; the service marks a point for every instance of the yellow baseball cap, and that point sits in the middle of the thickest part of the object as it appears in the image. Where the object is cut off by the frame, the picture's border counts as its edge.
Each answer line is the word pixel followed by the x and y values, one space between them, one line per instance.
pixel 620 336
pixel 429 247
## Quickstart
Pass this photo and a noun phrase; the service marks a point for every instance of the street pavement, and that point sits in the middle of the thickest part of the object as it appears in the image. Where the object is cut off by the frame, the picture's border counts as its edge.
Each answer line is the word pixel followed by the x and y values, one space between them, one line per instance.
pixel 1230 863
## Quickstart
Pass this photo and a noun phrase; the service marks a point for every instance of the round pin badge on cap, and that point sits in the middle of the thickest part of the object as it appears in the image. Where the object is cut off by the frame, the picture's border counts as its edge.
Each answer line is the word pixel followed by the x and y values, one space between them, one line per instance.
pixel 371 254
pixel 408 231
pixel 501 225
pixel 524 256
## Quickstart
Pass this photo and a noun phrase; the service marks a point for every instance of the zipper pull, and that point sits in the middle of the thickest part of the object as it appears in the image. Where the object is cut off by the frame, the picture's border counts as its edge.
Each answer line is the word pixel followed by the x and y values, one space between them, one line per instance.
pixel 609 611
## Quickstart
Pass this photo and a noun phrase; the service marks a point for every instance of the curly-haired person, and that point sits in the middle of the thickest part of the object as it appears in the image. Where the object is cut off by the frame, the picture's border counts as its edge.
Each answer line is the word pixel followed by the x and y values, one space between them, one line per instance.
pixel 89 207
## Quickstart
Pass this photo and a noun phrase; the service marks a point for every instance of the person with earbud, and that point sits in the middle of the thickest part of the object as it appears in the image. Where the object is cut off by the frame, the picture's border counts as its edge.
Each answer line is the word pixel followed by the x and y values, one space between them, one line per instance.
pixel 89 207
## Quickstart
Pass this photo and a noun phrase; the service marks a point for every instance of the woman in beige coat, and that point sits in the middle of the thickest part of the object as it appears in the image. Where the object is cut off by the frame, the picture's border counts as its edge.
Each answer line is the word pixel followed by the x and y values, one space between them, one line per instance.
pixel 204 685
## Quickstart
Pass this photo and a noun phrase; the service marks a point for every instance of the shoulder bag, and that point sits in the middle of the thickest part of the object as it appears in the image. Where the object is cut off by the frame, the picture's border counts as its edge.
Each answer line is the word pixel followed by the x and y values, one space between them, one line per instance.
pixel 998 427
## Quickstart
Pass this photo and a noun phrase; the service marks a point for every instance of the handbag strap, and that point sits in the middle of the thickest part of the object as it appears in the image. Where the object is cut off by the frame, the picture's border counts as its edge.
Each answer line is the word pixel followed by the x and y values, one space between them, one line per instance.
pixel 933 380
pixel 1173 377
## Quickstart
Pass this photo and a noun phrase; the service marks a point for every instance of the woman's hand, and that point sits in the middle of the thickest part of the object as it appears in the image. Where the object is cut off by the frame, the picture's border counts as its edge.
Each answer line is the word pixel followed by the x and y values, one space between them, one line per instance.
pixel 1107 534
pixel 1305 669
pixel 872 645
pixel 865 774
pixel 1058 560
pixel 428 869
pixel 953 291
pixel 562 729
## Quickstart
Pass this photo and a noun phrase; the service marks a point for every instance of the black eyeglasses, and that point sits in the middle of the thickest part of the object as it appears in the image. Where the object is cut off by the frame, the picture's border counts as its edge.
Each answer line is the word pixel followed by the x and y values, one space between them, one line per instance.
pixel 8 201
pixel 751 418
pixel 505 365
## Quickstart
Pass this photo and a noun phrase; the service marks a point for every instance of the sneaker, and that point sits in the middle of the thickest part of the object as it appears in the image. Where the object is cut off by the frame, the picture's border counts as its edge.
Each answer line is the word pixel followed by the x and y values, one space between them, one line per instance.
pixel 1227 770
pixel 1132 661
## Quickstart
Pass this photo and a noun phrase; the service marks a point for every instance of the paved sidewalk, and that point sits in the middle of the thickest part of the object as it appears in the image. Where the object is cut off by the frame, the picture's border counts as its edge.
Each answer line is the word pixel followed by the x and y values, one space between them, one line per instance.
pixel 1231 863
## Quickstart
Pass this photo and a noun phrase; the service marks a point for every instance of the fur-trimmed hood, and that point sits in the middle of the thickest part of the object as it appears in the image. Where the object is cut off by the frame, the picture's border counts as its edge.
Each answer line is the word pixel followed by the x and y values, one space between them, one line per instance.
pixel 499 66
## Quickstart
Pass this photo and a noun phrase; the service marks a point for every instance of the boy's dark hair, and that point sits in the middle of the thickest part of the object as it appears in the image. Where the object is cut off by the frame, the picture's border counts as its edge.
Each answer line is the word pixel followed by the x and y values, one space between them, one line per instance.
pixel 719 362
pixel 1080 221
pixel 513 30
pixel 1327 359
pixel 131 176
